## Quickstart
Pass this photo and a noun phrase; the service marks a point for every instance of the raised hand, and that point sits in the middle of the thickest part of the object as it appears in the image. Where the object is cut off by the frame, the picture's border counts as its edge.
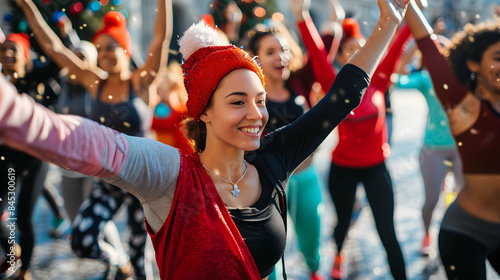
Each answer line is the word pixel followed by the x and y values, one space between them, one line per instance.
pixel 232 13
pixel 422 4
pixel 2 36
pixel 393 10
pixel 299 7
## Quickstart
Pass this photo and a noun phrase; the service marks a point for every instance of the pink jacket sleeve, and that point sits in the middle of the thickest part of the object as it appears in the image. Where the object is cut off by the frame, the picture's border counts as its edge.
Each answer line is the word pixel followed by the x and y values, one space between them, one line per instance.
pixel 69 141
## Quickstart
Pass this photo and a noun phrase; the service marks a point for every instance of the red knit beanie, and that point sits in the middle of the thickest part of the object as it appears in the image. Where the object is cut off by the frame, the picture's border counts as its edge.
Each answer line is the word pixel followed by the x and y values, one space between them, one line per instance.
pixel 207 63
pixel 23 40
pixel 115 25
pixel 351 29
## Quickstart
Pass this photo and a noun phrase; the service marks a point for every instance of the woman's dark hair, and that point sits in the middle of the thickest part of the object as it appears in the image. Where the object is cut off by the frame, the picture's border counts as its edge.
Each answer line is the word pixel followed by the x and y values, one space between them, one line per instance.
pixel 255 37
pixel 470 44
pixel 196 132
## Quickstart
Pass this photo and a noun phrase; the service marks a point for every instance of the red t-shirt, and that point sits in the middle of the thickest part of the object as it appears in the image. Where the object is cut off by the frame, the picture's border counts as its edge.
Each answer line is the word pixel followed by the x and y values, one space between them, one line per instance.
pixel 363 134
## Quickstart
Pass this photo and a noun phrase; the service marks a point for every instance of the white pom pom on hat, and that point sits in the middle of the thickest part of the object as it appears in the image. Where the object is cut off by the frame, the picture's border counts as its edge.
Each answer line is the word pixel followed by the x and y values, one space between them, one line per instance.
pixel 199 35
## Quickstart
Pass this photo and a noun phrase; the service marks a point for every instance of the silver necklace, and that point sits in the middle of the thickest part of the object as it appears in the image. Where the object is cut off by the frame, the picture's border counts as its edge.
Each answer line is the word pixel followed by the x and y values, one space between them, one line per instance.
pixel 235 190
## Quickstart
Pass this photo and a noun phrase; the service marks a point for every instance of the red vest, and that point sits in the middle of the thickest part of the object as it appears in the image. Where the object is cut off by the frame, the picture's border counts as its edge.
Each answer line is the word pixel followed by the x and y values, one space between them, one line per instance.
pixel 199 240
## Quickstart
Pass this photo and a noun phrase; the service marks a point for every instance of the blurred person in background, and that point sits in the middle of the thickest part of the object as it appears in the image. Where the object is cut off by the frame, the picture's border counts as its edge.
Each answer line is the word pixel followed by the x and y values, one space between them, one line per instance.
pixel 119 100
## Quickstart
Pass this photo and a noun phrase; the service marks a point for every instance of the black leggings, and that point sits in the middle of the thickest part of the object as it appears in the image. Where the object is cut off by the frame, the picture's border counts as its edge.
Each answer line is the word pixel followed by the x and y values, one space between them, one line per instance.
pixel 464 257
pixel 30 173
pixel 378 187
pixel 102 205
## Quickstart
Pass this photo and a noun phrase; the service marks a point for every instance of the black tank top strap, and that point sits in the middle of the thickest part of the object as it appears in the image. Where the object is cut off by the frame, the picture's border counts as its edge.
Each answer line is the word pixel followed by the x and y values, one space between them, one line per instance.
pixel 99 89
pixel 131 93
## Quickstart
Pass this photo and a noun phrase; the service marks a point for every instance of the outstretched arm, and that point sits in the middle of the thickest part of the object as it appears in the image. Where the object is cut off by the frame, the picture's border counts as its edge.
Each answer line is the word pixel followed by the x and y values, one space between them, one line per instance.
pixel 369 56
pixel 157 54
pixel 146 168
pixel 55 49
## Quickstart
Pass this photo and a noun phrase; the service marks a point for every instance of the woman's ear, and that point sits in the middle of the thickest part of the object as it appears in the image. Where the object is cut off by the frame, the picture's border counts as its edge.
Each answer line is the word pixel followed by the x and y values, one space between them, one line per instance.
pixel 204 117
pixel 473 66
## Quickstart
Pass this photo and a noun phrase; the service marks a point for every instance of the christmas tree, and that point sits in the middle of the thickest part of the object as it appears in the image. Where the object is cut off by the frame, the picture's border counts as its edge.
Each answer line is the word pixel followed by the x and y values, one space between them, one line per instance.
pixel 85 15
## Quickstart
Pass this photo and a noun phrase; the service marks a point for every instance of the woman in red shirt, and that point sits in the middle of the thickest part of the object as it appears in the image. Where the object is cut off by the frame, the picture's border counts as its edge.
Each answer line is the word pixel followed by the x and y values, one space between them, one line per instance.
pixel 360 154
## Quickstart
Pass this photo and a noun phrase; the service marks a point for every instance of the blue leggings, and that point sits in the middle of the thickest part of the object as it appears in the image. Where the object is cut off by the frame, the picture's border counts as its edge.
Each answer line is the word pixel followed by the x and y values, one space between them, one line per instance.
pixel 377 182
pixel 304 206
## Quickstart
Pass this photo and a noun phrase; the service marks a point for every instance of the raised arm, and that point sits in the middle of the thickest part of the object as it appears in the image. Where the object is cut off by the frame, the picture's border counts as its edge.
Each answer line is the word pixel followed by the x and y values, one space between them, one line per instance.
pixel 382 77
pixel 369 56
pixel 53 47
pixel 419 26
pixel 322 69
pixel 448 88
pixel 333 27
pixel 2 36
pixel 157 54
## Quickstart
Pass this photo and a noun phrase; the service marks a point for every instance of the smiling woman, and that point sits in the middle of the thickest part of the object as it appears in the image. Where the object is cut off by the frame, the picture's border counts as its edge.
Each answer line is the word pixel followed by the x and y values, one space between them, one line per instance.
pixel 198 228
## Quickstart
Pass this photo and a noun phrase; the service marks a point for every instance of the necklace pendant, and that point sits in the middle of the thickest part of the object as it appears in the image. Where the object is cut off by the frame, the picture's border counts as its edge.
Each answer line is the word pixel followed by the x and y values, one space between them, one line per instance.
pixel 235 191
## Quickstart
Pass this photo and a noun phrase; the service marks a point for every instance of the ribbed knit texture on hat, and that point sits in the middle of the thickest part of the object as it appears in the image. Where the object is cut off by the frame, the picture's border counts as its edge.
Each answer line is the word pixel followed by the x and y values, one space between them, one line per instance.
pixel 205 66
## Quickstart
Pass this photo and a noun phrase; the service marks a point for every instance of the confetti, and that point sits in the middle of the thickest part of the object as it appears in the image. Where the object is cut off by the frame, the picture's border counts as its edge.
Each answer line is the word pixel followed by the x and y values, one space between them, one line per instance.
pixel 460 144
pixel 110 97
pixel 102 119
pixel 2 158
pixel 448 163
pixel 126 124
pixel 445 86
pixel 40 88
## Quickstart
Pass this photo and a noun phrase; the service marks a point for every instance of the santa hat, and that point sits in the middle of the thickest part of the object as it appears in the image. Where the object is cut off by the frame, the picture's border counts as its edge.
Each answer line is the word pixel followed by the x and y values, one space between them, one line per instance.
pixel 23 40
pixel 115 25
pixel 207 60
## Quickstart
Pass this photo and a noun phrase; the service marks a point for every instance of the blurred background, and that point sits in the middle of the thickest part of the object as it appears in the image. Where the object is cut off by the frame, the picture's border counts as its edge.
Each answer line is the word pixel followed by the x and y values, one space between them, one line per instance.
pixel 86 15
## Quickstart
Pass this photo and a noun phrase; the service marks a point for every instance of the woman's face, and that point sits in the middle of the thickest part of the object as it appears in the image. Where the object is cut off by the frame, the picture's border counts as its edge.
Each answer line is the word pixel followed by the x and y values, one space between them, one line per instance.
pixel 111 56
pixel 237 112
pixel 272 57
pixel 349 47
pixel 489 67
pixel 12 57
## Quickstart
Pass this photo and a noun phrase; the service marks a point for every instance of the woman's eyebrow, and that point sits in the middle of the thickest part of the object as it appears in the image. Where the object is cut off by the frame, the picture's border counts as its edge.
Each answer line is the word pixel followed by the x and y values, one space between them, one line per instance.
pixel 241 93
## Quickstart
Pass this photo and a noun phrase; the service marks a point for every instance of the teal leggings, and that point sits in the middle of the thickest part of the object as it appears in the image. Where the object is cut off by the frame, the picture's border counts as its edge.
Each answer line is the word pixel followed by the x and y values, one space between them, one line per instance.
pixel 304 206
